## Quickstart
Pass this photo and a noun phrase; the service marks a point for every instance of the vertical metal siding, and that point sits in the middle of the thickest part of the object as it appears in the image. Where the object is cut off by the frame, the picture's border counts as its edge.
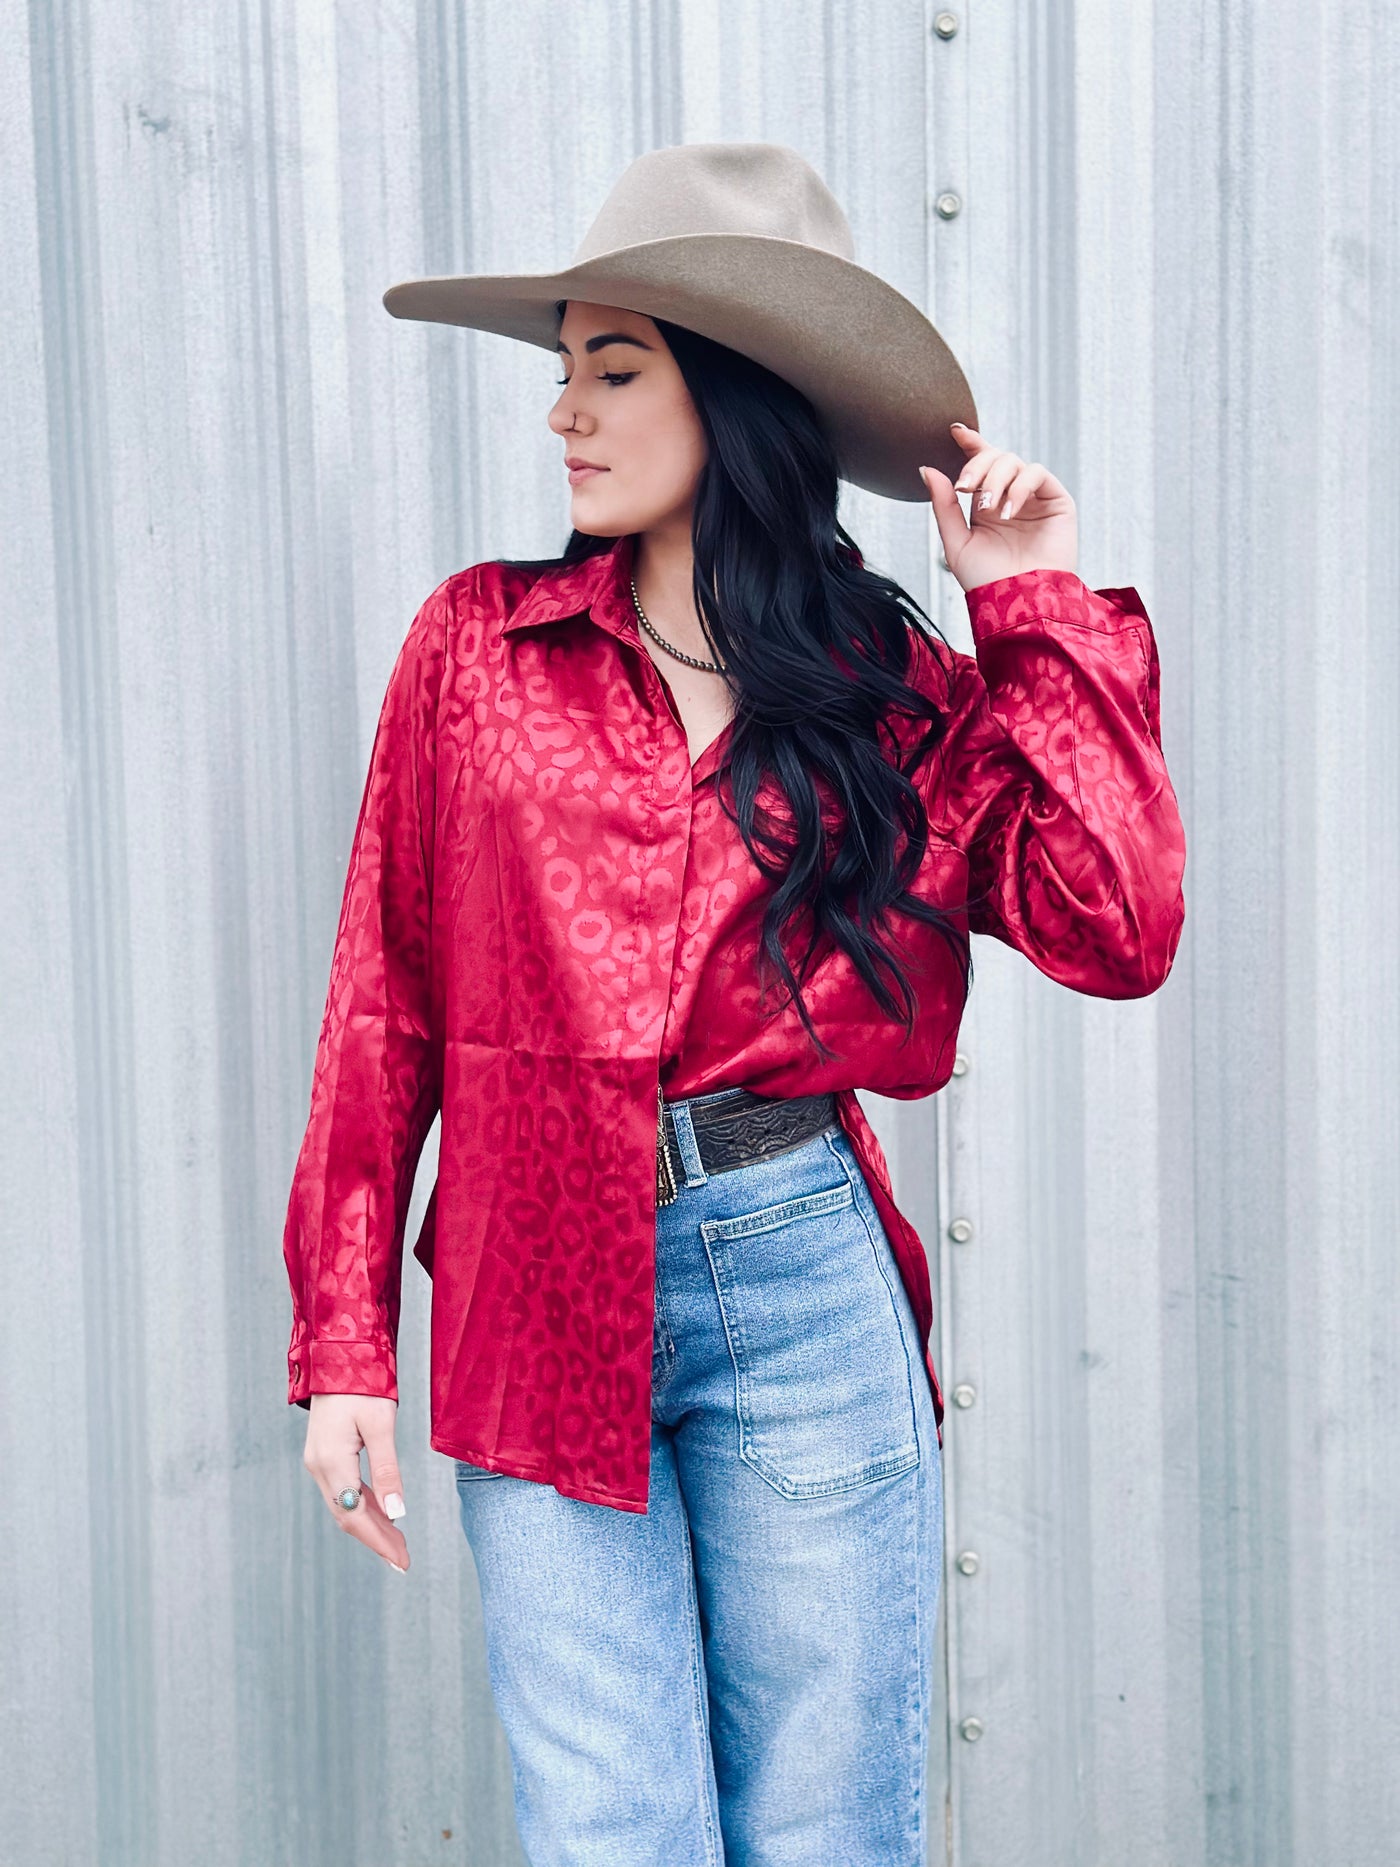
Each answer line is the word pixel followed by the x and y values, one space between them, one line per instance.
pixel 229 480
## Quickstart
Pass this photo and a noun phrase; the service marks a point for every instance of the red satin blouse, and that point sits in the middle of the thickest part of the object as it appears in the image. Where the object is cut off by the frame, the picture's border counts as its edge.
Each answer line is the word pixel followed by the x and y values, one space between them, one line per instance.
pixel 547 912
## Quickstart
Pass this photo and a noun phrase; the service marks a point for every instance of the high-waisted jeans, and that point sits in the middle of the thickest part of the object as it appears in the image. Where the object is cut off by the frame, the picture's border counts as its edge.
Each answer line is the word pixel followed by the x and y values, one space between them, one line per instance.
pixel 742 1674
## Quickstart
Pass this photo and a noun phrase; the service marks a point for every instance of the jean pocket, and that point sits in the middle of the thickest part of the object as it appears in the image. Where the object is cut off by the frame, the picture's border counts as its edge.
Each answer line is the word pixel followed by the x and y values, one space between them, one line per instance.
pixel 466 1472
pixel 823 1381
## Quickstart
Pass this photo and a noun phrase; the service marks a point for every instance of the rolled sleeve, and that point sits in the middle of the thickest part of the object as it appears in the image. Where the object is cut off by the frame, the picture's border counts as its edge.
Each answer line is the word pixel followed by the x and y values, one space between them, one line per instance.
pixel 1051 780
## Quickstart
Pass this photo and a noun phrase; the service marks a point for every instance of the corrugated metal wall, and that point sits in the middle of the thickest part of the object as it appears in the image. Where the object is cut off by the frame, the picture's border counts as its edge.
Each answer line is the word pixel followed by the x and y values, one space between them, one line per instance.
pixel 229 478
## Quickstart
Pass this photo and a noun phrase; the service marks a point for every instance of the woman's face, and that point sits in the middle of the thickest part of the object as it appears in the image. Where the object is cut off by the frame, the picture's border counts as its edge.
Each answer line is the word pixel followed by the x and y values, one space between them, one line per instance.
pixel 625 410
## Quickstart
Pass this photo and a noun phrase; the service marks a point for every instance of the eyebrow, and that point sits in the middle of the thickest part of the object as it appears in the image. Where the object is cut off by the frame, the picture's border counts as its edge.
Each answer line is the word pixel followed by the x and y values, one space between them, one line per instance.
pixel 608 337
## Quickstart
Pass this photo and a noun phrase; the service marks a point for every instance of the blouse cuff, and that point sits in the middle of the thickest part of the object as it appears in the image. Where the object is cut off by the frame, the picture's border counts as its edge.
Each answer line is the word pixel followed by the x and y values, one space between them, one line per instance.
pixel 344 1367
pixel 1051 596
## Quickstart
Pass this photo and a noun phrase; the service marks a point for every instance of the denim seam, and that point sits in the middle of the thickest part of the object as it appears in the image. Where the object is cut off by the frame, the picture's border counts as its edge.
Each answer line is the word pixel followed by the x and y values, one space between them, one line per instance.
pixel 930 1476
pixel 917 1505
pixel 698 1683
pixel 714 1095
pixel 664 1319
pixel 818 1205
pixel 687 1145
pixel 669 1345
pixel 860 1205
pixel 731 1335
pixel 919 1765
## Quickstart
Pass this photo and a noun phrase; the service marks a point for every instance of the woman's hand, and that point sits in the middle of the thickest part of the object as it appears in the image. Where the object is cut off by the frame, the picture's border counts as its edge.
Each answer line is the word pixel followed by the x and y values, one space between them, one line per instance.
pixel 1022 518
pixel 340 1424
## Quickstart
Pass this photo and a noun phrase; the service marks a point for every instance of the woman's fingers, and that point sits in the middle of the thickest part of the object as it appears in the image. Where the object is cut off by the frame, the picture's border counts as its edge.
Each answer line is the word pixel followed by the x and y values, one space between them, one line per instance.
pixel 340 1425
pixel 952 526
pixel 367 1523
pixel 1000 472
pixel 1004 488
pixel 999 481
pixel 986 476
pixel 343 1478
pixel 1020 488
pixel 980 457
pixel 974 472
pixel 384 1465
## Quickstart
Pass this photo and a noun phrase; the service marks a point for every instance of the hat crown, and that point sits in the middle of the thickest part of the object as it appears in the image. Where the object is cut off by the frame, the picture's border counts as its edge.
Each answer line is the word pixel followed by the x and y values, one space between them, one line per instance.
pixel 763 189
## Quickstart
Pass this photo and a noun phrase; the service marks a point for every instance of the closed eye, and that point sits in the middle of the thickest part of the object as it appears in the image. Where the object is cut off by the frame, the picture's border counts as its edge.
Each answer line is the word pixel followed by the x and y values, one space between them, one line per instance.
pixel 609 376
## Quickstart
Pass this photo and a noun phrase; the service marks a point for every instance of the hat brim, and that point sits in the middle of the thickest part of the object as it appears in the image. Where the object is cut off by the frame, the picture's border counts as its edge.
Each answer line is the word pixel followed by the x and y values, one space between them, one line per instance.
pixel 880 376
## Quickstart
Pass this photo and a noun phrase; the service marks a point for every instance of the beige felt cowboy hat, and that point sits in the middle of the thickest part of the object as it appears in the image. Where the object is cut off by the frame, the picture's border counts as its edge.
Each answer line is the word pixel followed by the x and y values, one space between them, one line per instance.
pixel 745 243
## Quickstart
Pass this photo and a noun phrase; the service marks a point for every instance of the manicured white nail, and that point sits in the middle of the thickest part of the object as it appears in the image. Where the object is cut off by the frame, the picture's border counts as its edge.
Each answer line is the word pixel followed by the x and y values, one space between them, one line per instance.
pixel 397 1565
pixel 393 1505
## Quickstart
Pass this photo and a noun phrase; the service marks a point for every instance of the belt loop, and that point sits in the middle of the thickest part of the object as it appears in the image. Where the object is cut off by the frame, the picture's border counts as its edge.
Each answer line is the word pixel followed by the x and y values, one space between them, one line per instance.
pixel 695 1174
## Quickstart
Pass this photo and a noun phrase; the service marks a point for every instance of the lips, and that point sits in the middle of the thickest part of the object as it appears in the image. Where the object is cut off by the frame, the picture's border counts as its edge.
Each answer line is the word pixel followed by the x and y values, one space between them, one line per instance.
pixel 580 469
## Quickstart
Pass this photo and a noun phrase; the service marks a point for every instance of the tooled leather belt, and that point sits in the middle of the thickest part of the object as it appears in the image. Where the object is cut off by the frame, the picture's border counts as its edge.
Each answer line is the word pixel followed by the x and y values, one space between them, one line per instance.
pixel 736 1131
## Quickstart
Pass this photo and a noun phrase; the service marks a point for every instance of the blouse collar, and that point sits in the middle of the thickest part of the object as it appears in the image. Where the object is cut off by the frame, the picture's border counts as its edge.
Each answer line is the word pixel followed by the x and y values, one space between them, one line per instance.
pixel 599 585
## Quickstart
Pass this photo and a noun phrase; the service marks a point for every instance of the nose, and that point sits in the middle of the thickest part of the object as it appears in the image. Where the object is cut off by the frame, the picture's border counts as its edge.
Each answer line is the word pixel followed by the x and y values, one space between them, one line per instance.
pixel 564 417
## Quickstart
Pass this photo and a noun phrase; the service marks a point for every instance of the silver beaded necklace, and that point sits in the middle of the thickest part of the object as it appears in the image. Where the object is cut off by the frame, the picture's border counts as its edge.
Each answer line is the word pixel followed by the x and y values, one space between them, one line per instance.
pixel 709 667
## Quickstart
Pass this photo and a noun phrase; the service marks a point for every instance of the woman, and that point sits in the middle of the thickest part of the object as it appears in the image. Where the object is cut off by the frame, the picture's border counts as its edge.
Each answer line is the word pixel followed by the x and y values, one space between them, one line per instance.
pixel 667 847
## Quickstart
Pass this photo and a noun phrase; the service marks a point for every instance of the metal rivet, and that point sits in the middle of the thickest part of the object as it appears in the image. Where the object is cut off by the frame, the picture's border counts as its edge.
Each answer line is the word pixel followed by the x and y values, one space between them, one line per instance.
pixel 960 1231
pixel 964 1394
pixel 972 1729
pixel 969 1562
pixel 961 1066
pixel 948 205
pixel 945 24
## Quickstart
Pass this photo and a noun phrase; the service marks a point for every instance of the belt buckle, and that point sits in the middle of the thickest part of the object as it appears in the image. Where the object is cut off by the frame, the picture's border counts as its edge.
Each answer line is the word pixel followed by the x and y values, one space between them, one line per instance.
pixel 667 1186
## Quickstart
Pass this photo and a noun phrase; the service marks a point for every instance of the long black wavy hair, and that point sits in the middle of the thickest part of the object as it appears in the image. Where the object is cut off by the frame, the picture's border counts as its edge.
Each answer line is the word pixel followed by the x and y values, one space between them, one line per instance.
pixel 816 650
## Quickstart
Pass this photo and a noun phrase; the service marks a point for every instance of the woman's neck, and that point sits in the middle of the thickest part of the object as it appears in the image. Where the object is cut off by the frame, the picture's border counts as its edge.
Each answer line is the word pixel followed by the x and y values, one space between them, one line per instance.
pixel 663 569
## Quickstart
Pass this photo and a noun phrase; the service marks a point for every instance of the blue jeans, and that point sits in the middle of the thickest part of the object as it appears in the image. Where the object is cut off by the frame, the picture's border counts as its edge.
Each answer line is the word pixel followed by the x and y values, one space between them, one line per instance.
pixel 743 1674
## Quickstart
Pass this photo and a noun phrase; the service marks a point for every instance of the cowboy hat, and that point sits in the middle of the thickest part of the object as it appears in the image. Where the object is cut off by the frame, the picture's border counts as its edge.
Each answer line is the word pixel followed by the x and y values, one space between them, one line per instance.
pixel 745 243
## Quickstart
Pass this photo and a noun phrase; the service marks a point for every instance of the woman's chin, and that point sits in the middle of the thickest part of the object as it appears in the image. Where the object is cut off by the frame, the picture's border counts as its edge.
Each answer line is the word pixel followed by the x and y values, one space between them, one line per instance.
pixel 599 517
pixel 608 513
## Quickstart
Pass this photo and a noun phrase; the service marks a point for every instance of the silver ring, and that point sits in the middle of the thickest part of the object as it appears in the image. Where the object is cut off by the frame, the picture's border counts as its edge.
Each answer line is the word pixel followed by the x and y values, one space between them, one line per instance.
pixel 348 1498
